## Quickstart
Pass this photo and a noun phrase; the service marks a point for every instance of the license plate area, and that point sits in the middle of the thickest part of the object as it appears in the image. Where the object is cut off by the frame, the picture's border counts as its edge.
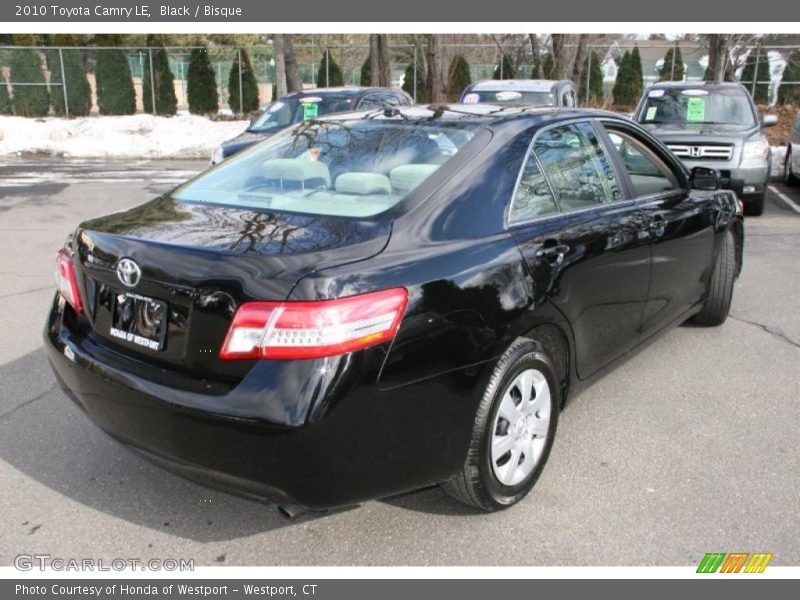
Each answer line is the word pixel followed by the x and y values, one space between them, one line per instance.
pixel 139 320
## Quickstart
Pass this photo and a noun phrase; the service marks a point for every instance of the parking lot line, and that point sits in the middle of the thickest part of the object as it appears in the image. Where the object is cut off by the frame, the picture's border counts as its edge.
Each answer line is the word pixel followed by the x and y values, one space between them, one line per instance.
pixel 791 203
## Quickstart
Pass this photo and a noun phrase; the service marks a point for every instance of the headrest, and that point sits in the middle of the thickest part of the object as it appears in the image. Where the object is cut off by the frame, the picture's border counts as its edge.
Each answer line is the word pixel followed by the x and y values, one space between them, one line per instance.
pixel 296 169
pixel 363 184
pixel 407 177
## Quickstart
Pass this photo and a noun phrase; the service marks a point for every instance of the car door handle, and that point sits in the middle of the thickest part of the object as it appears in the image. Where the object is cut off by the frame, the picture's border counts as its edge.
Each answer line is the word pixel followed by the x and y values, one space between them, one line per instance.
pixel 552 250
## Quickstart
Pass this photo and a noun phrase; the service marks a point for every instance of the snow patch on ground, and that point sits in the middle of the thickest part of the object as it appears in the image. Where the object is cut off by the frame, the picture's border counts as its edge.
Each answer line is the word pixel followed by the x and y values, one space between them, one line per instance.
pixel 134 136
pixel 778 156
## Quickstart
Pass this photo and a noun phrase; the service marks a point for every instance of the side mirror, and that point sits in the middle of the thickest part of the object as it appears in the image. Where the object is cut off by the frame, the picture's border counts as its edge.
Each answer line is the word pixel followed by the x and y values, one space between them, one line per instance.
pixel 704 178
pixel 769 121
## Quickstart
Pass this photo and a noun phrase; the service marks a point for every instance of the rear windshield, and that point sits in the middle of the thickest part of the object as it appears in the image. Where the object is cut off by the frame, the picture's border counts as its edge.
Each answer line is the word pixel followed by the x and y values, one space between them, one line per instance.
pixel 282 113
pixel 348 168
pixel 510 96
pixel 726 107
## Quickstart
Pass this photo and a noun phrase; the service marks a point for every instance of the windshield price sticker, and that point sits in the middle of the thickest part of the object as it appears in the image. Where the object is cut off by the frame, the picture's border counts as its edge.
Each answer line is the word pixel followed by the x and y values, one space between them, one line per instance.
pixel 310 111
pixel 655 93
pixel 471 98
pixel 651 113
pixel 696 109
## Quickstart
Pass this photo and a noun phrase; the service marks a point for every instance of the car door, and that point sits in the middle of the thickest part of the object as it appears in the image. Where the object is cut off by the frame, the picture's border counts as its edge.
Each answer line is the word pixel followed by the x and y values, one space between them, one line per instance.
pixel 680 225
pixel 583 241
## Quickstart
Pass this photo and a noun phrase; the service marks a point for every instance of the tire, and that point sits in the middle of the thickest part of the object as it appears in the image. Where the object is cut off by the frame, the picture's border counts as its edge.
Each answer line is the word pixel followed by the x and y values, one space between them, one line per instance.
pixel 720 289
pixel 492 482
pixel 789 178
pixel 754 206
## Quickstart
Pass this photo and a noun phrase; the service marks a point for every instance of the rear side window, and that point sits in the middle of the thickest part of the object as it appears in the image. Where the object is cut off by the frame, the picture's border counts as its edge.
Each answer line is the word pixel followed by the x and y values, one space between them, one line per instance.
pixel 533 196
pixel 577 167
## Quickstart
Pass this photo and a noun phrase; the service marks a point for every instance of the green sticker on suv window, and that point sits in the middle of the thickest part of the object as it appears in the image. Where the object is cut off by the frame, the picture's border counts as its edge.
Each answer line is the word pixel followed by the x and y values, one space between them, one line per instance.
pixel 310 110
pixel 696 109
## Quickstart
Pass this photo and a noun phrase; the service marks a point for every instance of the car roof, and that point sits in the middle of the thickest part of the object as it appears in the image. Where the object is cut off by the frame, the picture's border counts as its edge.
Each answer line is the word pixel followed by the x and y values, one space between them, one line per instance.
pixel 481 113
pixel 520 85
pixel 698 84
pixel 351 90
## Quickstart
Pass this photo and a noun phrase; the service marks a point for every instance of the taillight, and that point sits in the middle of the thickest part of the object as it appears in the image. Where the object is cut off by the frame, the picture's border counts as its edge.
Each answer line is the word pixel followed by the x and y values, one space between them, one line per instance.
pixel 66 282
pixel 291 330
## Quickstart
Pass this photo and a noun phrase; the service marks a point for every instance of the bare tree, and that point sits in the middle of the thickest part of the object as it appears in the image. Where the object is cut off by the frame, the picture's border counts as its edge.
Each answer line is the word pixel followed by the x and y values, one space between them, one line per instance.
pixel 379 60
pixel 537 57
pixel 293 81
pixel 434 53
pixel 280 67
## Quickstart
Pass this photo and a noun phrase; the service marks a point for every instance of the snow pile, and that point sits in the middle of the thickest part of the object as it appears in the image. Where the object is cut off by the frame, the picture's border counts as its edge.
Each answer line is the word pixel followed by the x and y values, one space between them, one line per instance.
pixel 778 156
pixel 135 136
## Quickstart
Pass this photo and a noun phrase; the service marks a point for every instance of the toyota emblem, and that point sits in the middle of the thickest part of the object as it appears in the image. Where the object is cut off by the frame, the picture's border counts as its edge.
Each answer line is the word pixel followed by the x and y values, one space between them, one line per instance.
pixel 128 272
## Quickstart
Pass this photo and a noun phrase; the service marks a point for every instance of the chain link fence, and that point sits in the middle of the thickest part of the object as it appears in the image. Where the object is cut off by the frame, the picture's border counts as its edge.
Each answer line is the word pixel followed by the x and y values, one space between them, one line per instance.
pixel 50 73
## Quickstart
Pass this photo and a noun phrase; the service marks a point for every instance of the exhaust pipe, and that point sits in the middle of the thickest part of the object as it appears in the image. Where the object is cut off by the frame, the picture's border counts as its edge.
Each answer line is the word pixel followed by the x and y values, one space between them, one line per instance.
pixel 291 510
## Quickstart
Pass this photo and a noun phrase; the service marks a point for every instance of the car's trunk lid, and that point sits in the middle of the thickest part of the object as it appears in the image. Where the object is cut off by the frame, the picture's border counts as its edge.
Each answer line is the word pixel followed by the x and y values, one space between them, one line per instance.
pixel 198 263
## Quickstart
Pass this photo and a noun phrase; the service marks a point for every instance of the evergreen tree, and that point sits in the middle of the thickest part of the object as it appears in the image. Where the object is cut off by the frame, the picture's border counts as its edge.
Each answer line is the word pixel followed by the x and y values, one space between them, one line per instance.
pixel 596 94
pixel 79 97
pixel 5 99
pixel 113 81
pixel 637 76
pixel 622 84
pixel 790 94
pixel 366 73
pixel 25 66
pixel 164 81
pixel 549 66
pixel 201 87
pixel 667 73
pixel 508 69
pixel 761 92
pixel 459 77
pixel 408 82
pixel 249 102
pixel 334 72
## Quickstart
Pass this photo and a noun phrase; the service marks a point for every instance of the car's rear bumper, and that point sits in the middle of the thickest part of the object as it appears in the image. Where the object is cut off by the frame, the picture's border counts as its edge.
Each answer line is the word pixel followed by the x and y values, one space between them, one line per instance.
pixel 355 443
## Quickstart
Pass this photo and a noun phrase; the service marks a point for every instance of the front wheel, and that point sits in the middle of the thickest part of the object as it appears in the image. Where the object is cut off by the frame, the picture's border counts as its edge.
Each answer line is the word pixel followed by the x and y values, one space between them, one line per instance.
pixel 720 289
pixel 513 433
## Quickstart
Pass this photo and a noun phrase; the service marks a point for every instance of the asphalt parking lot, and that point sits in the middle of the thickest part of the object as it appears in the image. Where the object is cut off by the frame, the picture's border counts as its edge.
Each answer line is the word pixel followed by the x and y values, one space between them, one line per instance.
pixel 690 446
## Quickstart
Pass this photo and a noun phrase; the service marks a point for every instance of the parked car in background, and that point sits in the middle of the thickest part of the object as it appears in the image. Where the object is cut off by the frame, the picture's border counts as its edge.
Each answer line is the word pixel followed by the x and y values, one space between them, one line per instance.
pixel 714 125
pixel 355 308
pixel 540 92
pixel 309 104
pixel 791 165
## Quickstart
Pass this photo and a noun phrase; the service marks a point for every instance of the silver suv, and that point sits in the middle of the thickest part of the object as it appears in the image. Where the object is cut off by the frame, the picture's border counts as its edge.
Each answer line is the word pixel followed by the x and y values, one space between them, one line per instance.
pixel 713 125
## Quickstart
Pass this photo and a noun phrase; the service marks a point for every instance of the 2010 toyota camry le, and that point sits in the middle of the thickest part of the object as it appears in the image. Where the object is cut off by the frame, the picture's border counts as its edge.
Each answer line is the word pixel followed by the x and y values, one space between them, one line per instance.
pixel 380 301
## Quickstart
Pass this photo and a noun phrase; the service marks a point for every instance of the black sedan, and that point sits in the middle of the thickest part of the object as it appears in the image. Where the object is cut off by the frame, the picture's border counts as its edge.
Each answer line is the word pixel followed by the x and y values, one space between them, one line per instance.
pixel 309 104
pixel 380 301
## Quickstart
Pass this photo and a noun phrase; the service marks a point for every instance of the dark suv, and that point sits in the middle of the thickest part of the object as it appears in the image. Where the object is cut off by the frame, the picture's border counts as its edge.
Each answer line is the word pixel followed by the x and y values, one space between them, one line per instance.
pixel 714 125
pixel 309 104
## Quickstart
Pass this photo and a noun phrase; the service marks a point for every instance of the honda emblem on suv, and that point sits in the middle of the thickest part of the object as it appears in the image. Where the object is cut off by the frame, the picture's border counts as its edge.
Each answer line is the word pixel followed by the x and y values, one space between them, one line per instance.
pixel 695 151
pixel 128 272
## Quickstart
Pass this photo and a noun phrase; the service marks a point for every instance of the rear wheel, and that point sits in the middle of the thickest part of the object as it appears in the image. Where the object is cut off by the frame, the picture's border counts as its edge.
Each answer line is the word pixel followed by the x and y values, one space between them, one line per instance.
pixel 789 178
pixel 513 431
pixel 754 206
pixel 720 289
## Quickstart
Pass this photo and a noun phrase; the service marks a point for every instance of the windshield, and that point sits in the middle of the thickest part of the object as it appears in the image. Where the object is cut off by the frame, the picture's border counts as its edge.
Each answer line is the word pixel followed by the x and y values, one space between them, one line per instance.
pixel 287 111
pixel 351 168
pixel 515 97
pixel 687 107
